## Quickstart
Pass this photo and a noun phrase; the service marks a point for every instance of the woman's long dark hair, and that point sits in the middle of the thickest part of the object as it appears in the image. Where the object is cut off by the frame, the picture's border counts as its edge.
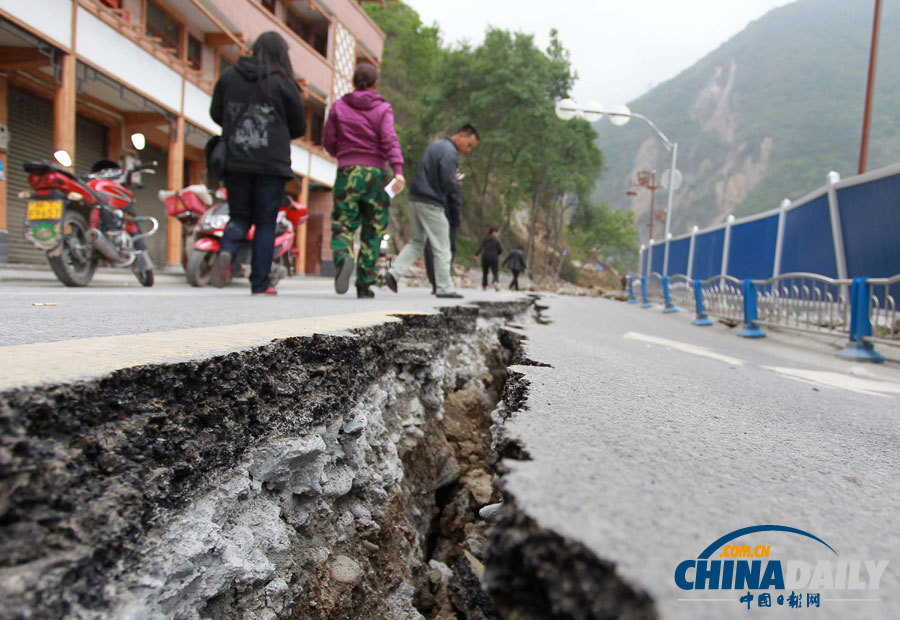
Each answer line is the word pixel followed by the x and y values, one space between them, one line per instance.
pixel 272 51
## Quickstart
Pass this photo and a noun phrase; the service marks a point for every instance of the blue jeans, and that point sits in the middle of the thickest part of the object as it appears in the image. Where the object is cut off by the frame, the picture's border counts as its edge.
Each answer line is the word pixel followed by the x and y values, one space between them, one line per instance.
pixel 253 199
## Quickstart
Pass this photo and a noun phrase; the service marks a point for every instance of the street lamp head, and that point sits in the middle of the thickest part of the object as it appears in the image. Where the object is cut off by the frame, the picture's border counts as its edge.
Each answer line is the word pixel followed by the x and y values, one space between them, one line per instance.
pixel 566 109
pixel 592 113
pixel 619 114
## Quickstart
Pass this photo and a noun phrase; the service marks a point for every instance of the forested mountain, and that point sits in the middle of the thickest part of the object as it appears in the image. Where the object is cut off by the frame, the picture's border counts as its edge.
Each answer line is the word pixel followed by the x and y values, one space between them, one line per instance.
pixel 763 117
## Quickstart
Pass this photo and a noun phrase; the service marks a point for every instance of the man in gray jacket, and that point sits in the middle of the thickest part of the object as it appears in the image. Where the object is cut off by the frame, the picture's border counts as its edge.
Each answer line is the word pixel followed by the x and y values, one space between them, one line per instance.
pixel 433 191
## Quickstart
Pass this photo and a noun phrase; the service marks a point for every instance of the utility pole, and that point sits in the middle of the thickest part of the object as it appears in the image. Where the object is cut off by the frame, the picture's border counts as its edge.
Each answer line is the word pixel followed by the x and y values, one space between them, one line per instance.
pixel 647 178
pixel 870 90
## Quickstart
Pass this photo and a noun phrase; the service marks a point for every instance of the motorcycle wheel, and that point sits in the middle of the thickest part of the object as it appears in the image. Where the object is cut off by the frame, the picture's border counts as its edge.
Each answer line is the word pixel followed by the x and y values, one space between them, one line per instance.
pixel 144 276
pixel 76 262
pixel 199 267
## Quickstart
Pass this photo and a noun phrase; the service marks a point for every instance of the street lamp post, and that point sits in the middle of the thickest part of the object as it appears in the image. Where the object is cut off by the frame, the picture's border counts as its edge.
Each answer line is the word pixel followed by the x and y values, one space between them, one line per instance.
pixel 619 115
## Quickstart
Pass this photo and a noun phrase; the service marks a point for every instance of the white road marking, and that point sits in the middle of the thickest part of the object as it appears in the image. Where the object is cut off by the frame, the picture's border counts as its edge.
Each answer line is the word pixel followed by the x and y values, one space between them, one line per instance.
pixel 838 380
pixel 685 347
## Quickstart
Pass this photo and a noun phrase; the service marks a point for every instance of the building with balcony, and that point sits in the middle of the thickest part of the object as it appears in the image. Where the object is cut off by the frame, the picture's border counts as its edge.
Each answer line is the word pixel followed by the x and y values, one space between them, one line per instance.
pixel 82 75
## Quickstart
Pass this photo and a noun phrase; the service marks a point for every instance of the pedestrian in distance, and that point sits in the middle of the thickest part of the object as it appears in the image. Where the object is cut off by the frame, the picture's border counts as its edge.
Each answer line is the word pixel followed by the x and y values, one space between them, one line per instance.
pixel 360 133
pixel 260 108
pixel 515 261
pixel 434 190
pixel 490 249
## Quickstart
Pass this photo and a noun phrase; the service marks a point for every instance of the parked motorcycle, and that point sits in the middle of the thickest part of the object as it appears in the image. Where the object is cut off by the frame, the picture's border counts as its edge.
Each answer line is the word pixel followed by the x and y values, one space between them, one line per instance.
pixel 79 221
pixel 187 206
pixel 211 227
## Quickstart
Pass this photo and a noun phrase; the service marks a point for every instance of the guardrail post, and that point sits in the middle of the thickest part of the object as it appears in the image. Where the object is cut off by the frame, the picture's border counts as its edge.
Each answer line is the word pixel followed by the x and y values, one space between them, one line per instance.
pixel 631 298
pixel 646 300
pixel 702 318
pixel 859 349
pixel 670 307
pixel 751 329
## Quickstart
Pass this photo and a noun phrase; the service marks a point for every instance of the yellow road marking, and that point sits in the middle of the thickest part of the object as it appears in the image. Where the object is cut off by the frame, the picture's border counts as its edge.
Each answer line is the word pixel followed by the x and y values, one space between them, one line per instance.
pixel 84 358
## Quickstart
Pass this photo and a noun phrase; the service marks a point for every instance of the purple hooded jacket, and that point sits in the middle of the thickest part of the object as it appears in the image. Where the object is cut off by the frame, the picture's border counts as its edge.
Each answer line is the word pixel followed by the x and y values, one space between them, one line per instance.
pixel 360 132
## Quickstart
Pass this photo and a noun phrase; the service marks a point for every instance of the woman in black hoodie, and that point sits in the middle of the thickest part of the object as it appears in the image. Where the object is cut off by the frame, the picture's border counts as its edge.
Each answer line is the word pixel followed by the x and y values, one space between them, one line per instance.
pixel 260 108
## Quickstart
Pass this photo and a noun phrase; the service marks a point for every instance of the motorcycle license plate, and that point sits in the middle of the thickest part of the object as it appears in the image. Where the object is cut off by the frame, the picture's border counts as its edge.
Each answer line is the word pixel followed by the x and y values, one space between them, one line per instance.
pixel 44 210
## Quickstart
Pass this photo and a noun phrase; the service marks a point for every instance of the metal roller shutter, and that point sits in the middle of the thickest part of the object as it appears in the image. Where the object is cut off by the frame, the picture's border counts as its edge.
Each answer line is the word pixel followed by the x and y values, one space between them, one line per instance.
pixel 147 203
pixel 31 138
pixel 30 121
pixel 90 144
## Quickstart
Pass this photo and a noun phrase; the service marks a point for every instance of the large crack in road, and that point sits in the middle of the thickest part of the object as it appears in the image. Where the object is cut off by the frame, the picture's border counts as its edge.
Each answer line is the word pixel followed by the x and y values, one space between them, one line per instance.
pixel 331 476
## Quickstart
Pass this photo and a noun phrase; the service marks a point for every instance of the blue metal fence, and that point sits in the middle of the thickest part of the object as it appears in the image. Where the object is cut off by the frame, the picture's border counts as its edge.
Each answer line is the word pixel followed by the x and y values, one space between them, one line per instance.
pixel 828 263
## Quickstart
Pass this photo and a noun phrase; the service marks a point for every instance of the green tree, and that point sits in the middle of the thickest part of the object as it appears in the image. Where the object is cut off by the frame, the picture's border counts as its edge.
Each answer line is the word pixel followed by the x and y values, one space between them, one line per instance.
pixel 599 233
pixel 506 87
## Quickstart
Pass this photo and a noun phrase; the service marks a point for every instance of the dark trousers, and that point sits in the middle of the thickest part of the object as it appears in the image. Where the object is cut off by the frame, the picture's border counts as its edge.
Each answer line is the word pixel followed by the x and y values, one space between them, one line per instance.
pixel 514 285
pixel 491 263
pixel 253 199
pixel 429 256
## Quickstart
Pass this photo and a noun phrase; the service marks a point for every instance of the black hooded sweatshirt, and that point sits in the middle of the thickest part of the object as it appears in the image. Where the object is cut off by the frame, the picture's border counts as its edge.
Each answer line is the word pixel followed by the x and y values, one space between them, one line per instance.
pixel 259 118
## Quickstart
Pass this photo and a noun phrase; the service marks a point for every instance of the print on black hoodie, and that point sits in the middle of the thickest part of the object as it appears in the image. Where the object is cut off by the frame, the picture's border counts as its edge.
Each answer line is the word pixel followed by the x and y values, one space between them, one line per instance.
pixel 259 117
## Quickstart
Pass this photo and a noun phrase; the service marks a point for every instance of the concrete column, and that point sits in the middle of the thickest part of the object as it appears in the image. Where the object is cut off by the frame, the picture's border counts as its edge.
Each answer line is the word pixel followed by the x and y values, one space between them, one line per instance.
pixel 300 265
pixel 4 165
pixel 175 180
pixel 64 108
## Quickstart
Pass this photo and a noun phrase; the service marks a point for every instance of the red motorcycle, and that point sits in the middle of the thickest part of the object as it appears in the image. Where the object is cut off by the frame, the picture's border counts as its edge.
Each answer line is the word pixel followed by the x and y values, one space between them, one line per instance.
pixel 211 227
pixel 79 221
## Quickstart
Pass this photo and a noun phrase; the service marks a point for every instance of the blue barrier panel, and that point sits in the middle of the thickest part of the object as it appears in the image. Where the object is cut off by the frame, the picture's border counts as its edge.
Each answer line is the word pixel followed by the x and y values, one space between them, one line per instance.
pixel 808 243
pixel 752 249
pixel 708 254
pixel 870 220
pixel 659 255
pixel 678 256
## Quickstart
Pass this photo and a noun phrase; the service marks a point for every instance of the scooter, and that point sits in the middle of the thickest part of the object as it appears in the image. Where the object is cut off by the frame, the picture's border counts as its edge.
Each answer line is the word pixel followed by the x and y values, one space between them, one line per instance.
pixel 211 227
pixel 188 205
pixel 79 221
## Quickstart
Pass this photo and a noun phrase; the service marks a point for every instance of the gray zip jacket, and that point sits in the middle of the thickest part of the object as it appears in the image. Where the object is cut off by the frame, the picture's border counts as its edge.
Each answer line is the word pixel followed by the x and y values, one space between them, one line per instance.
pixel 435 182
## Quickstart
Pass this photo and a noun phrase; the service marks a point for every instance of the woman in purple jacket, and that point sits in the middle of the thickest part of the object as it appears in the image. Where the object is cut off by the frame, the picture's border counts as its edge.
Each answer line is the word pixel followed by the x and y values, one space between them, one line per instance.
pixel 360 133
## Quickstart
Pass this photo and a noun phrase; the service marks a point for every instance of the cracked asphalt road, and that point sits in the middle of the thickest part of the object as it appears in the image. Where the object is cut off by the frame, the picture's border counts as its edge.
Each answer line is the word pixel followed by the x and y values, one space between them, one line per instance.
pixel 650 438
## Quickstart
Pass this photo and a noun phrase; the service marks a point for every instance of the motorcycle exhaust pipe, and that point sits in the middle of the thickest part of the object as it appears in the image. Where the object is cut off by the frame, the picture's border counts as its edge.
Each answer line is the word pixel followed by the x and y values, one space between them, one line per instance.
pixel 104 245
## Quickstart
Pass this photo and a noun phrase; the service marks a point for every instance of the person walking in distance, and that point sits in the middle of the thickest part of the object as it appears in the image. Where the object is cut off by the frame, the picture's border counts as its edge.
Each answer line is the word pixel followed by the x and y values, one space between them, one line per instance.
pixel 260 108
pixel 360 133
pixel 515 261
pixel 490 249
pixel 433 188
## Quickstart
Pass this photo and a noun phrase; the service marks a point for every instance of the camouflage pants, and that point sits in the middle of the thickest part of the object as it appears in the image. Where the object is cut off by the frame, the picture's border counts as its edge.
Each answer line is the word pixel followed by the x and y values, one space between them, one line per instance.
pixel 359 199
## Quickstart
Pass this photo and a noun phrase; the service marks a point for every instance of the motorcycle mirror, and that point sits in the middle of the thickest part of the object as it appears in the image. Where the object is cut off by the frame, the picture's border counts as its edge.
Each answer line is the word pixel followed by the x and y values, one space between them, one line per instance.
pixel 63 157
pixel 139 141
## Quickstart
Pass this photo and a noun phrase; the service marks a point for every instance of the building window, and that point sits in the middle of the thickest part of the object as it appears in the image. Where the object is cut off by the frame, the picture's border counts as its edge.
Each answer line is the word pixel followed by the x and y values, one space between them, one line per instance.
pixel 311 26
pixel 316 127
pixel 269 6
pixel 194 52
pixel 163 26
pixel 224 63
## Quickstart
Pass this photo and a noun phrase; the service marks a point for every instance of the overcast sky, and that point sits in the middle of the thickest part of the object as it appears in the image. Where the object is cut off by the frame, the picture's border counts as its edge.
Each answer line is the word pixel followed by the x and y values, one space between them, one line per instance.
pixel 619 48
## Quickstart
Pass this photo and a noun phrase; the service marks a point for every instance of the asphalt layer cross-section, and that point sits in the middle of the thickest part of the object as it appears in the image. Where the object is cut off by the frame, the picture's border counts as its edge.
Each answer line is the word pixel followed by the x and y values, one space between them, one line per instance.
pixel 650 438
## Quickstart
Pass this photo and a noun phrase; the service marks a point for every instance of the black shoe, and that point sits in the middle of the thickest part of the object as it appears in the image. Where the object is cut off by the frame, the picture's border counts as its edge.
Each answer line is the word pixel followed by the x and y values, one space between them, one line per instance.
pixel 434 291
pixel 363 290
pixel 391 282
pixel 218 277
pixel 342 278
pixel 453 295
